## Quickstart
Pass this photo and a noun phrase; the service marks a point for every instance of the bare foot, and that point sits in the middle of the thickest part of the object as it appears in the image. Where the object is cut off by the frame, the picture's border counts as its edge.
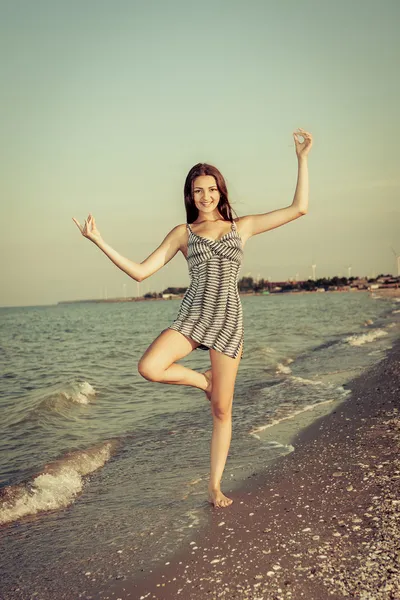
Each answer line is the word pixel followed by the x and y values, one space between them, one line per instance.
pixel 208 376
pixel 218 499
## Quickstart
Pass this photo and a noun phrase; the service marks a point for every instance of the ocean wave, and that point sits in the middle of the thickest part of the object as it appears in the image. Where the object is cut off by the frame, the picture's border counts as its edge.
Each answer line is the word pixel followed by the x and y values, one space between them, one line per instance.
pixel 56 403
pixel 267 350
pixel 60 400
pixel 325 345
pixel 278 420
pixel 56 486
pixel 79 393
pixel 289 410
pixel 364 338
pixel 284 369
pixel 306 381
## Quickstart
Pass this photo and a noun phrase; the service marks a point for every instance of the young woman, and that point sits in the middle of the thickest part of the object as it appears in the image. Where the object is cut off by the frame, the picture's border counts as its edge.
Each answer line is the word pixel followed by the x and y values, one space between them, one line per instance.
pixel 210 314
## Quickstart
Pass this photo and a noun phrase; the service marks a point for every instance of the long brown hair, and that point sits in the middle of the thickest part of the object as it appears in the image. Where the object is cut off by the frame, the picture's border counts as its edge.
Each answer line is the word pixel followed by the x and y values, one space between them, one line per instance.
pixel 224 206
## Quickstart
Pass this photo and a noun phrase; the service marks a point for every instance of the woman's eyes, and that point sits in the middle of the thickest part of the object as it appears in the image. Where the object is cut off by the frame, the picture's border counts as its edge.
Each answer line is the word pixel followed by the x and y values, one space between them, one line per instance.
pixel 198 191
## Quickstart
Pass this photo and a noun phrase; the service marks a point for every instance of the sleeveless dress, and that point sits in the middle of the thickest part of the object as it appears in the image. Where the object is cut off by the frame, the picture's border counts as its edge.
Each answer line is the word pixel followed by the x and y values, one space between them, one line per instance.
pixel 211 311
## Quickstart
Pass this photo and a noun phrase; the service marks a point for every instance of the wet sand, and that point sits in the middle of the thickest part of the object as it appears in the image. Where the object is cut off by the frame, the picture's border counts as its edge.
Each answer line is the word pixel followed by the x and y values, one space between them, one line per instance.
pixel 322 522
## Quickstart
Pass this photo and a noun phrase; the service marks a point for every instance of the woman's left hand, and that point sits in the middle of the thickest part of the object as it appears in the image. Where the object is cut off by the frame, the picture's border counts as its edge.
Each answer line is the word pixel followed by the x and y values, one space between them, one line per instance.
pixel 304 147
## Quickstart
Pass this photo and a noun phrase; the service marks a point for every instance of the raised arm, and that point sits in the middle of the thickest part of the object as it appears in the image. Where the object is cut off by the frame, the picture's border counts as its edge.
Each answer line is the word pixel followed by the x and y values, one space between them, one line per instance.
pixel 254 224
pixel 138 271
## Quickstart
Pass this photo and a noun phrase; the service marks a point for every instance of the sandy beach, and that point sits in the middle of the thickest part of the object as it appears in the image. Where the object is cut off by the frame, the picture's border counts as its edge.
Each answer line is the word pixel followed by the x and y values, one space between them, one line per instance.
pixel 320 523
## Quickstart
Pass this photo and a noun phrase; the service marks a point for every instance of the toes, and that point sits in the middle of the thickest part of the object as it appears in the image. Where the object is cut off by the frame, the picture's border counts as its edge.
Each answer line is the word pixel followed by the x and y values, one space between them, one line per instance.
pixel 220 502
pixel 224 502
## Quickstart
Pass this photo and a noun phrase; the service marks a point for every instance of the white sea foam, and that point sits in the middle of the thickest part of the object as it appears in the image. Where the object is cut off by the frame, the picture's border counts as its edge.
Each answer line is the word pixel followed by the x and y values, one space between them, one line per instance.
pixel 364 338
pixel 60 399
pixel 57 486
pixel 395 312
pixel 274 444
pixel 343 390
pixel 304 409
pixel 284 369
pixel 308 407
pixel 193 517
pixel 306 381
pixel 267 350
pixel 79 392
pixel 195 481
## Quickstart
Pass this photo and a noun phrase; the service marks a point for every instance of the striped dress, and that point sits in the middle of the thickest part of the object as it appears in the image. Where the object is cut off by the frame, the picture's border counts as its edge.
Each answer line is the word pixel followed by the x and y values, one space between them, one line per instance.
pixel 211 311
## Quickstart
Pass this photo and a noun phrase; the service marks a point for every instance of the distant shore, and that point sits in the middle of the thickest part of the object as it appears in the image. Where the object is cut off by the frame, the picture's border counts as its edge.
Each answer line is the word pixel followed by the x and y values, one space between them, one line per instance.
pixel 387 292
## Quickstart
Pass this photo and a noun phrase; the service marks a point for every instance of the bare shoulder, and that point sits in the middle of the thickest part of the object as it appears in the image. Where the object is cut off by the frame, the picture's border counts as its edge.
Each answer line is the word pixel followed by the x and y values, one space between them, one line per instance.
pixel 180 231
pixel 181 228
pixel 177 232
pixel 175 237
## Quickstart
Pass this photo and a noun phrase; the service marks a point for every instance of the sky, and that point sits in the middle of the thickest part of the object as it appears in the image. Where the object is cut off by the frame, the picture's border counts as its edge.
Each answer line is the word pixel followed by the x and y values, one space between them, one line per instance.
pixel 106 105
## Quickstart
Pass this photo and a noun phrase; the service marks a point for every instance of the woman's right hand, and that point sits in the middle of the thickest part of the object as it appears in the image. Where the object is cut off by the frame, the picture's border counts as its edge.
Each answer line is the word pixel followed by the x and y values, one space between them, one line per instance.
pixel 89 229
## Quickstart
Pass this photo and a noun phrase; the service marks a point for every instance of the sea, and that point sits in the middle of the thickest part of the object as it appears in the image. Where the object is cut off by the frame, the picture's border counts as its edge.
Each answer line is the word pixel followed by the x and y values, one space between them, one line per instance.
pixel 103 472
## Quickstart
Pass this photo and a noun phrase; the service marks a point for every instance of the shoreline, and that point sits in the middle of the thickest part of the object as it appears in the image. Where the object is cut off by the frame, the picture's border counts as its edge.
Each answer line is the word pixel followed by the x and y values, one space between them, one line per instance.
pixel 386 292
pixel 319 522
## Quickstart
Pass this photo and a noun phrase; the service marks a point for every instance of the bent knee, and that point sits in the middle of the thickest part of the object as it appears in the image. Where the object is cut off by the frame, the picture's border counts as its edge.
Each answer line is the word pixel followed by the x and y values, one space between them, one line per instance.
pixel 149 371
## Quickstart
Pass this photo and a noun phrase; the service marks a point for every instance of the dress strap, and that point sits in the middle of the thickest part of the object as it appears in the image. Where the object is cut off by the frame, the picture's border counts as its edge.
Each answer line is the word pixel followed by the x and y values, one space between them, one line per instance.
pixel 233 225
pixel 188 226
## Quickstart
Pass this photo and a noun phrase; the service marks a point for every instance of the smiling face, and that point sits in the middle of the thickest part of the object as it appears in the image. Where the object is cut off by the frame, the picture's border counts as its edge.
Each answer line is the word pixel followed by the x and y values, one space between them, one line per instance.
pixel 205 193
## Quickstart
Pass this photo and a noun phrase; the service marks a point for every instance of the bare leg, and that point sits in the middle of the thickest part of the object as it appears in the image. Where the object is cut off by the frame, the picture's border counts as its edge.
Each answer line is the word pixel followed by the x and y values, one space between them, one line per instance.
pixel 158 362
pixel 208 375
pixel 224 371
